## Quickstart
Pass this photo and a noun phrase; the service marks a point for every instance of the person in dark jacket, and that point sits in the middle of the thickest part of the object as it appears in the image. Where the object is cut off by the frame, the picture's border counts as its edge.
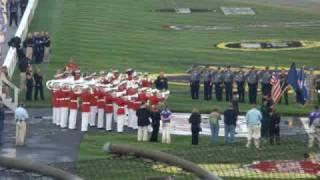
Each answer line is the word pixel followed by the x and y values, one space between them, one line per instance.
pixel 38 47
pixel 230 122
pixel 13 8
pixel 265 122
pixel 235 102
pixel 155 117
pixel 161 82
pixel 29 84
pixel 23 5
pixel 143 115
pixel 2 117
pixel 195 120
pixel 37 76
pixel 275 127
pixel 23 65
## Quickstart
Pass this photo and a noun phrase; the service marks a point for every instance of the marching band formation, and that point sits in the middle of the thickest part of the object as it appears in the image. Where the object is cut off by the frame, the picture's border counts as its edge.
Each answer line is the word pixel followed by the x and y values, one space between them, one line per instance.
pixel 102 98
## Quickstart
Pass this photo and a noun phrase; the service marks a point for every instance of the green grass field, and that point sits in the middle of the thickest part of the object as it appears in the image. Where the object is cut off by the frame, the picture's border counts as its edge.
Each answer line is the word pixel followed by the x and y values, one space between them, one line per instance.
pixel 101 34
pixel 226 161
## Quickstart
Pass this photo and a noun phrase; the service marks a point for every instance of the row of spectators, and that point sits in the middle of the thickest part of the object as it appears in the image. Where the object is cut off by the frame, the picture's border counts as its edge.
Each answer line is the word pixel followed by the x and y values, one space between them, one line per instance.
pixel 13 6
pixel 37 46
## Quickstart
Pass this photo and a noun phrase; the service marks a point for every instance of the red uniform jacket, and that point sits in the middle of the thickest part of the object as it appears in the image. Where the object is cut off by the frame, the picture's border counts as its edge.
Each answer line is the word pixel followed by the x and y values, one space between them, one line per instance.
pixel 54 101
pixel 136 105
pixel 131 91
pixel 73 100
pixel 146 83
pixel 101 100
pixel 155 100
pixel 85 96
pixel 108 103
pixel 121 103
pixel 65 98
pixel 94 98
pixel 143 97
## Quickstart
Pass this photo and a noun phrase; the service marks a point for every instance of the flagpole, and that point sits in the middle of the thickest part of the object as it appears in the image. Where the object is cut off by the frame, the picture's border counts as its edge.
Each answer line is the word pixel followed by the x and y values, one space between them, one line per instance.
pixel 275 103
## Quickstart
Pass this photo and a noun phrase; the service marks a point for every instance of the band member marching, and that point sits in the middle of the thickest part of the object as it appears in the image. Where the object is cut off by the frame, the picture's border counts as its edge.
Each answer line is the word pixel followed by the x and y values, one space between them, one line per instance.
pixel 108 109
pixel 85 108
pixel 121 102
pixel 93 106
pixel 64 105
pixel 73 105
pixel 101 104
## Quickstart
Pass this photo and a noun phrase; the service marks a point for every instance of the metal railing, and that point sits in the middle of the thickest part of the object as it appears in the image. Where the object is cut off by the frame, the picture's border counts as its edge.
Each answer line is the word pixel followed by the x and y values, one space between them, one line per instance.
pixel 160 157
pixel 30 167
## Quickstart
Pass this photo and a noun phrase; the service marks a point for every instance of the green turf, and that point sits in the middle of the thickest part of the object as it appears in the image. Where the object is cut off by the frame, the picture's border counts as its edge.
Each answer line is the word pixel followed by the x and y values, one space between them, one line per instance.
pixel 101 34
pixel 227 157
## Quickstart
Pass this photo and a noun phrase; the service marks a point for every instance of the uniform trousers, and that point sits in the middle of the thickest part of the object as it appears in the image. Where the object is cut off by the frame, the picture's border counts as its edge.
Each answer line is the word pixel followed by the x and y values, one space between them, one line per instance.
pixel 58 116
pixel 142 133
pixel 64 117
pixel 73 118
pixel 241 90
pixel 218 91
pixel 314 135
pixel 46 54
pixel 134 119
pixel 115 109
pixel 120 122
pixel 126 117
pixel 130 117
pixel 22 80
pixel 84 121
pixel 194 87
pixel 254 133
pixel 108 121
pixel 21 130
pixel 29 53
pixel 166 138
pixel 228 88
pixel 55 114
pixel 93 115
pixel 207 87
pixel 252 93
pixel 100 118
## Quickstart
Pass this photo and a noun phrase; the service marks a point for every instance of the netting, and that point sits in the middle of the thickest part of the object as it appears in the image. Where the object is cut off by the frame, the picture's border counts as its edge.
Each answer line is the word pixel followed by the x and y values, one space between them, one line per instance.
pixel 288 160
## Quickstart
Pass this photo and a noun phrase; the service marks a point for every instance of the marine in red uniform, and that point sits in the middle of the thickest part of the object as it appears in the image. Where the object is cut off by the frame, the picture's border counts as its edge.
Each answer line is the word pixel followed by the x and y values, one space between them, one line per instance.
pixel 64 105
pixel 121 102
pixel 93 106
pixel 73 105
pixel 55 104
pixel 71 67
pixel 85 108
pixel 101 104
pixel 108 109
pixel 145 81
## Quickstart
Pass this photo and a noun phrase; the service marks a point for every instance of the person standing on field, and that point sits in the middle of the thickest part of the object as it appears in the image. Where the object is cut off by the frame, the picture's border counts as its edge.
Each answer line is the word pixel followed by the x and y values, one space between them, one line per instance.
pixel 21 116
pixel 166 119
pixel 253 119
pixel 195 120
pixel 143 115
pixel 155 117
pixel 214 119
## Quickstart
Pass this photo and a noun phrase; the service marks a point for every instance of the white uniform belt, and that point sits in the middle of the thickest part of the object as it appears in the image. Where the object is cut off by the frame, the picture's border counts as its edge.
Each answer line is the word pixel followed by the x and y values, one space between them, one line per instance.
pixel 74 101
pixel 100 100
pixel 85 102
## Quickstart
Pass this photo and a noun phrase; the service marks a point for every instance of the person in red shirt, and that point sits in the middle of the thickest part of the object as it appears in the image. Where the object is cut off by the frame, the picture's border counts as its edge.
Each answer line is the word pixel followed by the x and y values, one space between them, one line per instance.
pixel 64 105
pixel 145 81
pixel 134 119
pixel 108 109
pixel 154 99
pixel 142 96
pixel 71 67
pixel 101 104
pixel 85 108
pixel 73 105
pixel 121 102
pixel 93 106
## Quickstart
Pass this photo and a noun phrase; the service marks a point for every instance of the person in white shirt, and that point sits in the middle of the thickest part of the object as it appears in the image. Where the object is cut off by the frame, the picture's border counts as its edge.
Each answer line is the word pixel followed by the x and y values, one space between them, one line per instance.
pixel 253 119
pixel 21 115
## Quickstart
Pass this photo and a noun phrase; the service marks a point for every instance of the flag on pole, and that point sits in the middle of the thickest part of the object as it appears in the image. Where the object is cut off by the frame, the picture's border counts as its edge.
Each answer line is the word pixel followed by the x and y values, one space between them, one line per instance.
pixel 298 83
pixel 276 91
pixel 303 91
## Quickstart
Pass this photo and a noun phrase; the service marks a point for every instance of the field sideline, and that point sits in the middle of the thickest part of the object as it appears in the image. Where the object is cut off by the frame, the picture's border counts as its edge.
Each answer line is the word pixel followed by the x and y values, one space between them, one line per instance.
pixel 102 34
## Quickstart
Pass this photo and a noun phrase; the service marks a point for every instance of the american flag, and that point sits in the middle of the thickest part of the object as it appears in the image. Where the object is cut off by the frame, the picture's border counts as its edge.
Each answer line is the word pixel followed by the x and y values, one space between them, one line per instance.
pixel 276 92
